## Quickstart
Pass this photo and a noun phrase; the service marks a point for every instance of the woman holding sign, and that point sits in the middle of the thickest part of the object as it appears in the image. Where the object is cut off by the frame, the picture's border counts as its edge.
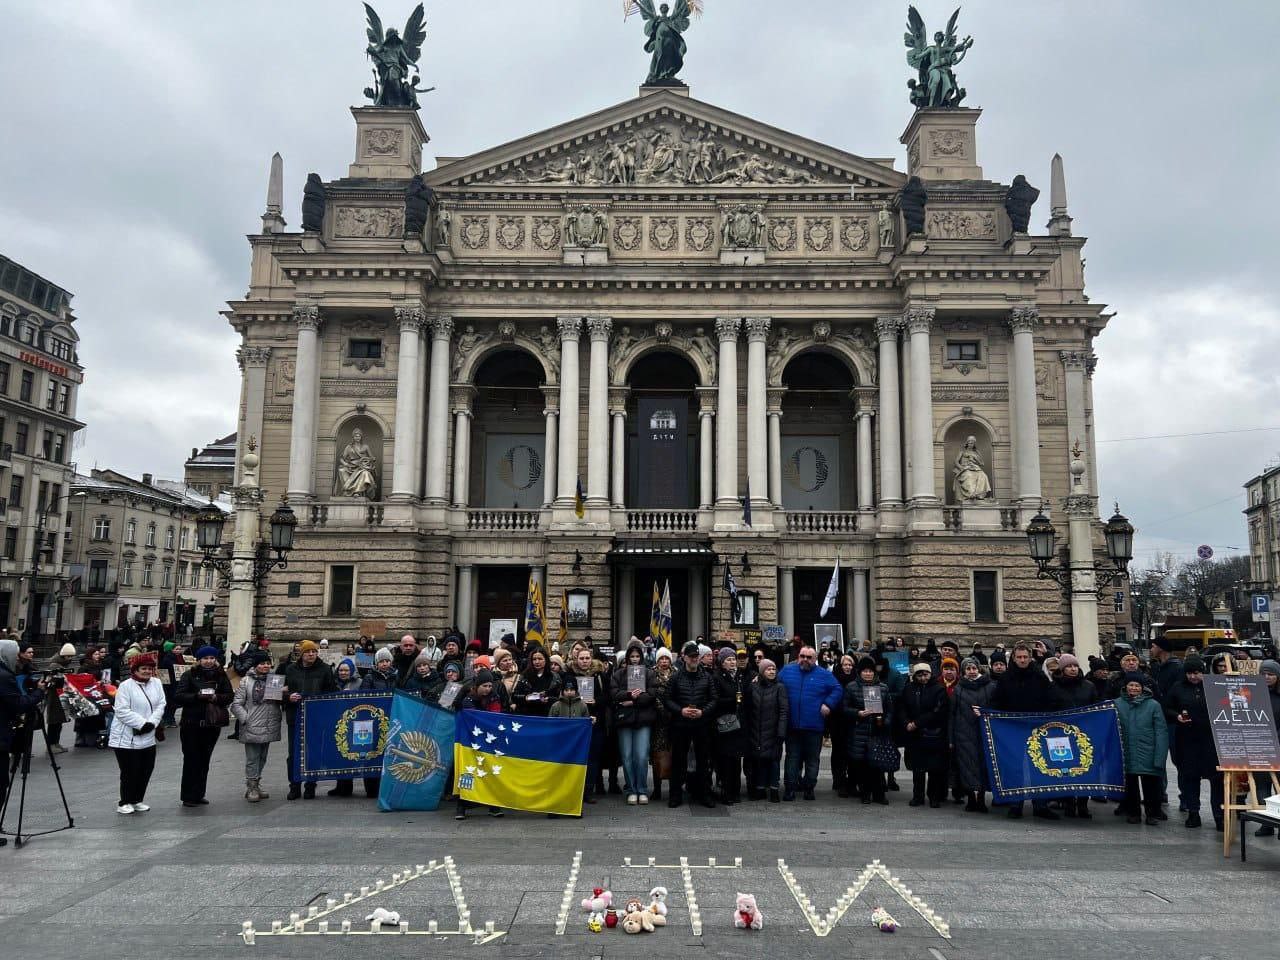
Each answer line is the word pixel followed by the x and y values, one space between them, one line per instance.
pixel 204 694
pixel 257 707
pixel 635 709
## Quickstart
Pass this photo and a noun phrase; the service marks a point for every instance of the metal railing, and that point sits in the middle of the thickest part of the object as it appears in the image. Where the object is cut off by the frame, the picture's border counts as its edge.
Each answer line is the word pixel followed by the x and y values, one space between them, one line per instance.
pixel 823 521
pixel 662 521
pixel 501 520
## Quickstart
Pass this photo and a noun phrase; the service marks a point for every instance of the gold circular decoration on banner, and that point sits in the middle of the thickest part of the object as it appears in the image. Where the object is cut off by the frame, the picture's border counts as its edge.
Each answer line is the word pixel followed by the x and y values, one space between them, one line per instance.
pixel 1083 745
pixel 342 732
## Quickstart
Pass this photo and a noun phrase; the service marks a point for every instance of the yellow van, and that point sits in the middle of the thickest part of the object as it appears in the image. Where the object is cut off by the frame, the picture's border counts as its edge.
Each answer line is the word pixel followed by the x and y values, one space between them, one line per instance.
pixel 1197 638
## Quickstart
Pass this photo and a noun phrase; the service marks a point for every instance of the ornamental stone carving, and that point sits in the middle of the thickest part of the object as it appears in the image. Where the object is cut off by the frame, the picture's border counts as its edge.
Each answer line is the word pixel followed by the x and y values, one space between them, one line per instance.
pixel 585 227
pixel 776 361
pixel 410 318
pixel 474 233
pixel 856 341
pixel 817 234
pixel 356 473
pixel 1074 359
pixel 885 226
pixel 757 328
pixel 782 234
pixel 441 328
pixel 855 233
pixel 628 232
pixel 621 346
pixel 699 234
pixel 961 225
pixel 369 222
pixel 918 319
pixel 506 331
pixel 444 220
pixel 570 328
pixel 599 328
pixel 546 233
pixel 969 476
pixel 468 342
pixel 549 342
pixel 382 141
pixel 1046 382
pixel 948 143
pixel 253 356
pixel 727 328
pixel 743 227
pixel 887 328
pixel 698 342
pixel 510 233
pixel 662 330
pixel 1023 319
pixel 306 316
pixel 821 331
pixel 664 233
pixel 285 371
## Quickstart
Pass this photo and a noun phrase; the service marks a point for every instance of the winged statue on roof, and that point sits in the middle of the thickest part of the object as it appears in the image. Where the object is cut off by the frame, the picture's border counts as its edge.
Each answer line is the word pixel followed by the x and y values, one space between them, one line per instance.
pixel 664 29
pixel 395 60
pixel 935 85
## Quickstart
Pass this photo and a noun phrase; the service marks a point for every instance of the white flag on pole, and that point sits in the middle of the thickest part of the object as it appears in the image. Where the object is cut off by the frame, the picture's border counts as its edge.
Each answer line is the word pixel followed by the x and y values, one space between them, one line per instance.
pixel 833 590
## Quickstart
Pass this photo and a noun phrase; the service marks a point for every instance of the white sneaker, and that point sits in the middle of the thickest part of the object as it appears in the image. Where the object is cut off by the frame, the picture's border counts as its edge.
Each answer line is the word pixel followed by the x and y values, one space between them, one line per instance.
pixel 141 808
pixel 643 799
pixel 632 799
pixel 125 808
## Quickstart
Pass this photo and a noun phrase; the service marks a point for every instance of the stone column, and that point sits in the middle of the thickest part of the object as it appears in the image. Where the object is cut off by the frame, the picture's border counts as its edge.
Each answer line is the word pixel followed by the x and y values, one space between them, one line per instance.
pixel 242 592
pixel 1090 444
pixel 775 446
pixel 918 322
pixel 599 329
pixel 727 414
pixel 618 471
pixel 890 425
pixel 861 610
pixel 463 605
pixel 846 589
pixel 626 603
pixel 1022 321
pixel 550 412
pixel 865 493
pixel 570 330
pixel 420 410
pixel 1081 509
pixel 438 411
pixel 757 437
pixel 462 397
pixel 306 396
pixel 697 607
pixel 904 391
pixel 253 362
pixel 408 378
pixel 787 599
pixel 706 447
pixel 1073 365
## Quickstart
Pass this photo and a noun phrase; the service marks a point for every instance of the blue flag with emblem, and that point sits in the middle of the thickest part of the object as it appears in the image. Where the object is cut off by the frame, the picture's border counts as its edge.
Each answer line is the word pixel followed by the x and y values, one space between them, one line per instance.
pixel 340 736
pixel 1039 756
pixel 419 755
pixel 522 763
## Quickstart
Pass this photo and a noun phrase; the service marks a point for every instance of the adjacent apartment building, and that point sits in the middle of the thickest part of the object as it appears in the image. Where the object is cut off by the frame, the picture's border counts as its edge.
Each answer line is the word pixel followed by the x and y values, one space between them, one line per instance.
pixel 133 543
pixel 40 377
pixel 1262 514
pixel 212 470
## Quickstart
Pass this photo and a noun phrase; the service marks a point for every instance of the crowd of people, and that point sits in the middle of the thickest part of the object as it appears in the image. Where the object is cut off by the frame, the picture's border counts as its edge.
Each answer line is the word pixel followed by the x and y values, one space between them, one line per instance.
pixel 700 723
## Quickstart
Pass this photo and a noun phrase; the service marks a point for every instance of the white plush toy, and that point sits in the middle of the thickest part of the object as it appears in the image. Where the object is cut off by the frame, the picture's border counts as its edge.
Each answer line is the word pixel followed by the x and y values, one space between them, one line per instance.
pixel 658 901
pixel 384 917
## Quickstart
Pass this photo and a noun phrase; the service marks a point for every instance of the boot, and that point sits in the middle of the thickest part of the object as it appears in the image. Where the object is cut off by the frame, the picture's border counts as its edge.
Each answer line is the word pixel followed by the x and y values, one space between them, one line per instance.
pixel 309 791
pixel 295 791
pixel 262 794
pixel 657 789
pixel 251 792
pixel 774 796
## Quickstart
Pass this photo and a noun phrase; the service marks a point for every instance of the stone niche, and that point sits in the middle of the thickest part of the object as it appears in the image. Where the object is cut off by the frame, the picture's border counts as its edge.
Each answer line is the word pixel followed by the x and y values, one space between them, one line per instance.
pixel 370 437
pixel 953 442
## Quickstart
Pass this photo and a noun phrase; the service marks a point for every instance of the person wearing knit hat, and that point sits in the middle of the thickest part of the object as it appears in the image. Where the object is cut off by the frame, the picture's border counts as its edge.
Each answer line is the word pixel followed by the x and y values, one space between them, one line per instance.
pixel 1144 734
pixel 67 650
pixel 922 713
pixel 968 766
pixel 55 716
pixel 767 710
pixel 1195 754
pixel 139 710
pixel 204 695
pixel 304 677
pixel 308 646
pixel 1072 690
pixel 259 721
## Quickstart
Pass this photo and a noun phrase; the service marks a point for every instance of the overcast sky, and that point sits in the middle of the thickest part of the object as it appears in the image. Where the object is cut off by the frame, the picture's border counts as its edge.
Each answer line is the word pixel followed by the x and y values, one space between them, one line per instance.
pixel 137 137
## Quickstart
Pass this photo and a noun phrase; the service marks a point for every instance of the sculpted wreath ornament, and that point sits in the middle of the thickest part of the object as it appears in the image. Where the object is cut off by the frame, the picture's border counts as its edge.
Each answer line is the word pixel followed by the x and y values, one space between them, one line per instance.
pixel 1083 745
pixel 342 732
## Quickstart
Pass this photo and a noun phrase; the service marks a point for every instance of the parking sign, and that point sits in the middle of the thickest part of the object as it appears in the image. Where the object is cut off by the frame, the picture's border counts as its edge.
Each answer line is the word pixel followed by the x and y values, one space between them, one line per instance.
pixel 1261 606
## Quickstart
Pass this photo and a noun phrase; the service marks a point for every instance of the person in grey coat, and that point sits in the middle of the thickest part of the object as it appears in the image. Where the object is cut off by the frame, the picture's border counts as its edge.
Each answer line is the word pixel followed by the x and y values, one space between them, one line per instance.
pixel 259 720
pixel 969 764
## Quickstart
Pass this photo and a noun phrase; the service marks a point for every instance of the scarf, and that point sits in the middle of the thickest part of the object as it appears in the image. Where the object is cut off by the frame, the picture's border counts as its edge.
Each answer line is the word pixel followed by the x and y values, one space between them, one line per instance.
pixel 259 689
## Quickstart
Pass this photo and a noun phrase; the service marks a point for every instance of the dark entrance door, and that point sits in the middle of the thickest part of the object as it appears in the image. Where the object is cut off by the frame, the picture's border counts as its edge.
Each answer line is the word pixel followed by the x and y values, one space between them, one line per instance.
pixel 500 595
pixel 645 577
pixel 810 590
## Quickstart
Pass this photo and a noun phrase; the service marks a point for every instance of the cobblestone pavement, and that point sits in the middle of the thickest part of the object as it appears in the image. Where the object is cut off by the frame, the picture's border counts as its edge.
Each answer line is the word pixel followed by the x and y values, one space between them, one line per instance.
pixel 179 882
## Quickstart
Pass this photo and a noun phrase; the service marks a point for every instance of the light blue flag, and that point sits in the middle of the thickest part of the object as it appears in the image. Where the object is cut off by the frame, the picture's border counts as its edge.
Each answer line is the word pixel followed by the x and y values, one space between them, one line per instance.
pixel 417 764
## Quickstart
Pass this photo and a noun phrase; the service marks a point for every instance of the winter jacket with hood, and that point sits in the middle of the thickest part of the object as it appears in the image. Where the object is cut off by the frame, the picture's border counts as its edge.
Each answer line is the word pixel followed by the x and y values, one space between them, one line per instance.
pixel 926 705
pixel 13 702
pixel 965 732
pixel 136 705
pixel 1144 733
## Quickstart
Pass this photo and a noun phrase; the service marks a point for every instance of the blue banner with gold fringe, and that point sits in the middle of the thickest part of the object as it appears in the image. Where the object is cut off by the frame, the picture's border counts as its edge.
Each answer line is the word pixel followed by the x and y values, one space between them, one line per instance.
pixel 340 736
pixel 1039 756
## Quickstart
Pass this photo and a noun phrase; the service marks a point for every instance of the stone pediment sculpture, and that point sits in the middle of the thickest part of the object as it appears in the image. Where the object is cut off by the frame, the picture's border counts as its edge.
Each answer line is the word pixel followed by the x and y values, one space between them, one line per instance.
pixel 585 227
pixel 743 227
pixel 970 481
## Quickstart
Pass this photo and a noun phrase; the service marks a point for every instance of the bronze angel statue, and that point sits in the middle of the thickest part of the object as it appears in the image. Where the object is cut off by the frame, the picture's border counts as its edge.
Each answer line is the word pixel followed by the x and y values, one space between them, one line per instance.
pixel 395 60
pixel 664 29
pixel 936 85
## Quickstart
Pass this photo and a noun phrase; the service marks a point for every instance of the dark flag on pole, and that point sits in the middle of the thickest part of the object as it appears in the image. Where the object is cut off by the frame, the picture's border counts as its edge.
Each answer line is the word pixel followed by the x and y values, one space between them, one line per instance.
pixel 746 509
pixel 731 586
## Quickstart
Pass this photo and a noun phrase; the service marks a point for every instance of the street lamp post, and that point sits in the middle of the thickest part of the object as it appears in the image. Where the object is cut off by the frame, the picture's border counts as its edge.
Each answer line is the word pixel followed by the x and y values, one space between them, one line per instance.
pixel 33 595
pixel 249 559
pixel 1082 576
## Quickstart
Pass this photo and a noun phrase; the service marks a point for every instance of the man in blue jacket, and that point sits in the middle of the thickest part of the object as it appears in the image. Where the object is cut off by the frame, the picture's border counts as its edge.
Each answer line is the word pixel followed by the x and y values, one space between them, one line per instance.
pixel 812 693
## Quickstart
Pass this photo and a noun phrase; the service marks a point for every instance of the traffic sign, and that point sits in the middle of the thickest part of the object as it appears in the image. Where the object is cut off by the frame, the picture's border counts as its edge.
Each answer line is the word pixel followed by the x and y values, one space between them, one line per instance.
pixel 1204 552
pixel 1260 603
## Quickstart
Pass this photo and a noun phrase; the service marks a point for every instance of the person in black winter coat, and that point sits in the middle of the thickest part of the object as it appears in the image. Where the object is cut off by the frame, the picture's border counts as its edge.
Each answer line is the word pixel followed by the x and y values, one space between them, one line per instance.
pixel 730 737
pixel 538 687
pixel 1187 711
pixel 864 729
pixel 305 676
pixel 845 673
pixel 14 704
pixel 1270 673
pixel 1024 688
pixel 767 709
pixel 922 724
pixel 203 694
pixel 688 699
pixel 1070 691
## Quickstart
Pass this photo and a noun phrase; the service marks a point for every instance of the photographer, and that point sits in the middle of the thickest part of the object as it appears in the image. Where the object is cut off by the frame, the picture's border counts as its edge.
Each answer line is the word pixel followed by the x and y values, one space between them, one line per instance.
pixel 15 706
pixel 55 716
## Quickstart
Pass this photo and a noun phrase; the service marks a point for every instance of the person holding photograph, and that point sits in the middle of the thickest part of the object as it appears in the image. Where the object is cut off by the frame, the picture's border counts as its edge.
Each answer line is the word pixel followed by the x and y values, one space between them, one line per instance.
pixel 593 690
pixel 838 724
pixel 538 686
pixel 868 711
pixel 204 693
pixel 259 720
pixel 635 689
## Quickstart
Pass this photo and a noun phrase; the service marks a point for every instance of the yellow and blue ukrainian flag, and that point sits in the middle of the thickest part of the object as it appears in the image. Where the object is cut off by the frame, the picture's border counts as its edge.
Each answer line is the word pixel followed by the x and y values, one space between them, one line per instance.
pixel 522 763
pixel 579 502
pixel 655 613
pixel 663 636
pixel 535 629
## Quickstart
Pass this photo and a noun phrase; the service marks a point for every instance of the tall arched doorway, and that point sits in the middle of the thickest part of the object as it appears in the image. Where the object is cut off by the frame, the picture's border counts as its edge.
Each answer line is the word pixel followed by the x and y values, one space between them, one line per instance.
pixel 819 437
pixel 508 460
pixel 662 440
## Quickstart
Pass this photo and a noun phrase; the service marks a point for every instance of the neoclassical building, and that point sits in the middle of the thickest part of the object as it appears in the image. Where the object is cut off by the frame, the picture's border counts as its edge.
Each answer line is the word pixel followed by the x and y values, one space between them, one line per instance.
pixel 672 308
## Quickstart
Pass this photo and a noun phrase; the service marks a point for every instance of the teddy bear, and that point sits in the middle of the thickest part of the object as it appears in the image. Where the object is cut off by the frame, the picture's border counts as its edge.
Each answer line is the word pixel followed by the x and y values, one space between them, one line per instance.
pixel 599 901
pixel 636 918
pixel 658 901
pixel 746 915
pixel 882 919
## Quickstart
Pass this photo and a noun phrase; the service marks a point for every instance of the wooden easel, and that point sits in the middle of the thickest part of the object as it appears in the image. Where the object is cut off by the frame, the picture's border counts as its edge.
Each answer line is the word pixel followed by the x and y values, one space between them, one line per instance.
pixel 1231 786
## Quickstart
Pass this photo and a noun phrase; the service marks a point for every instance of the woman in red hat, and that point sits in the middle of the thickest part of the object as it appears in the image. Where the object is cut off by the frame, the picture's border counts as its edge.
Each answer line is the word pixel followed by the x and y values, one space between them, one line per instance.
pixel 139 710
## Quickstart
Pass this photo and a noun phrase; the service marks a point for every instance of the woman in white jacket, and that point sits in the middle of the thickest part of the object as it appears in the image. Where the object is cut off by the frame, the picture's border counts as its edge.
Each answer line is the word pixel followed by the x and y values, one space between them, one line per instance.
pixel 139 711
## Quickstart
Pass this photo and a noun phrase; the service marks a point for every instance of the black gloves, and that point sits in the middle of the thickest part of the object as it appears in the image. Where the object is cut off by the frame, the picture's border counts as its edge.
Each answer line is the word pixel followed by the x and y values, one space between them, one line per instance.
pixel 146 728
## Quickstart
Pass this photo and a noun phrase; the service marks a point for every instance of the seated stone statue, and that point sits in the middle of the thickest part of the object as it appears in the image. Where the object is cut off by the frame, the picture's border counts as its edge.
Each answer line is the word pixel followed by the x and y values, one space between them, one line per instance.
pixel 970 478
pixel 357 471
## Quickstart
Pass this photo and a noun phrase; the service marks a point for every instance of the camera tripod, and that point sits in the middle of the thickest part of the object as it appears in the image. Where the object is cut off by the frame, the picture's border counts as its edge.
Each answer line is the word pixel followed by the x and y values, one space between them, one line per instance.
pixel 24 770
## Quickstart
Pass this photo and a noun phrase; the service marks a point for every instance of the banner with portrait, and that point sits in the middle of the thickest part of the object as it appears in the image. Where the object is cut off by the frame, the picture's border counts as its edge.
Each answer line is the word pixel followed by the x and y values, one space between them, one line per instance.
pixel 513 471
pixel 811 472
pixel 660 461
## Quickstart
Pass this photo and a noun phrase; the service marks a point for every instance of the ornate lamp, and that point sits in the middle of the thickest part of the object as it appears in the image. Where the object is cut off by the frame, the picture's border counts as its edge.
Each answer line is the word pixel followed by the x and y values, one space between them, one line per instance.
pixel 1042 539
pixel 209 524
pixel 283 523
pixel 1119 536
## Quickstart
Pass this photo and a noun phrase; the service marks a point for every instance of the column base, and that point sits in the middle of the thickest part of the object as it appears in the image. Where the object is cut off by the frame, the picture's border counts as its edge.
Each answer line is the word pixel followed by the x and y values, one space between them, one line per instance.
pixel 868 522
pixel 402 498
pixel 924 514
pixel 891 516
pixel 300 497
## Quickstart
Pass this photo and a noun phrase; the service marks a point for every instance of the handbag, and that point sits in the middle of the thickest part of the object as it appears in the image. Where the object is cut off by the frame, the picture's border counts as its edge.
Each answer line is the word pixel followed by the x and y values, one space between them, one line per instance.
pixel 728 723
pixel 216 715
pixel 885 757
pixel 661 760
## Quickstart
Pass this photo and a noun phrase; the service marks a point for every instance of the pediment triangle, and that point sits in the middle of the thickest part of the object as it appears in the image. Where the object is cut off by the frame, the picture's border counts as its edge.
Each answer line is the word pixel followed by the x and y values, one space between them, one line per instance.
pixel 664 140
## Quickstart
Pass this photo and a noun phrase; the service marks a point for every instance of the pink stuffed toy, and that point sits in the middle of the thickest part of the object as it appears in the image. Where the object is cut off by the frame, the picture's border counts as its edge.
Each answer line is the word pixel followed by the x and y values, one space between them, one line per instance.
pixel 746 915
pixel 599 901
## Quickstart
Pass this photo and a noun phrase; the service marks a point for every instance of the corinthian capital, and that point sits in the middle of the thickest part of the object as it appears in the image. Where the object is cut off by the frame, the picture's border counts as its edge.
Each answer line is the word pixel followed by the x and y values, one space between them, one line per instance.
pixel 411 318
pixel 306 316
pixel 757 328
pixel 599 328
pixel 1023 319
pixel 918 319
pixel 441 328
pixel 570 327
pixel 727 328
pixel 1074 360
pixel 253 356
pixel 887 328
